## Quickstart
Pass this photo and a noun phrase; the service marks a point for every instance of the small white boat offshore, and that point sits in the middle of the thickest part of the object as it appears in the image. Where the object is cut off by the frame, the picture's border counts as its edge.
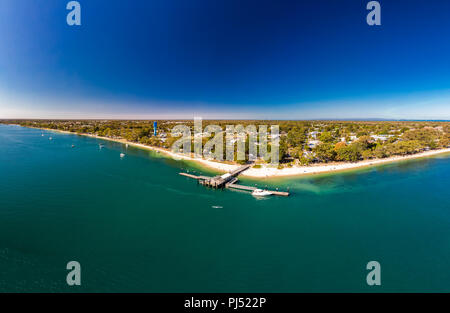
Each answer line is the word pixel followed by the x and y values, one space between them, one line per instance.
pixel 50 138
pixel 122 155
pixel 73 146
pixel 261 193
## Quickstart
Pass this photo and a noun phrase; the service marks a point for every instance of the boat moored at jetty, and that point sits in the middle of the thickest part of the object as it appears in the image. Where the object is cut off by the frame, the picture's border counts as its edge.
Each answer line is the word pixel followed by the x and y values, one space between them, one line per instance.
pixel 261 193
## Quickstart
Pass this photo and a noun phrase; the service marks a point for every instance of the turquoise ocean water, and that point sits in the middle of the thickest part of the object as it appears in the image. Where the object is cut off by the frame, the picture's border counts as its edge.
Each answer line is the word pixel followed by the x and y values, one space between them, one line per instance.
pixel 135 225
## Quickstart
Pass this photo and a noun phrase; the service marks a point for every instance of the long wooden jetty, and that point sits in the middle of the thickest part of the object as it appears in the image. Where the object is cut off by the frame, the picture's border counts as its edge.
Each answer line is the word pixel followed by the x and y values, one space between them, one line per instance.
pixel 194 176
pixel 249 188
pixel 229 180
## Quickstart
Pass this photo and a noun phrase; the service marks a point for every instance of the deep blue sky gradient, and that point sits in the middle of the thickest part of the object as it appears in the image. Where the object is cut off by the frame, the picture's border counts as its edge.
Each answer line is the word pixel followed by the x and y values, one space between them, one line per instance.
pixel 225 59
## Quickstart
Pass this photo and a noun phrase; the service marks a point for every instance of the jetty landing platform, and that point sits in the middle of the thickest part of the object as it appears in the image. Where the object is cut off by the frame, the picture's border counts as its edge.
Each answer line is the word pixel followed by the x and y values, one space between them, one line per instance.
pixel 229 180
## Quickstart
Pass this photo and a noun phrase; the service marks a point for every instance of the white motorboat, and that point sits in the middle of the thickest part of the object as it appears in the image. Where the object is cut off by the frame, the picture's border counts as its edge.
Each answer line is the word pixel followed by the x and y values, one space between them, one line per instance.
pixel 261 193
pixel 122 155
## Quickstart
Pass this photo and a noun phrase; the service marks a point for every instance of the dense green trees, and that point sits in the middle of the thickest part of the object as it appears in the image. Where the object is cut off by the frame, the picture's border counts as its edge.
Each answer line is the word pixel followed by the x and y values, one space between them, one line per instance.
pixel 349 153
pixel 296 137
pixel 325 152
pixel 444 140
pixel 301 142
pixel 326 137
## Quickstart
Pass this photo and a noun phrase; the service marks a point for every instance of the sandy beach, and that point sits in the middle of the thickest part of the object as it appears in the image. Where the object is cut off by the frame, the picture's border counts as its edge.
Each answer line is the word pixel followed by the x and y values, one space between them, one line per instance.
pixel 267 171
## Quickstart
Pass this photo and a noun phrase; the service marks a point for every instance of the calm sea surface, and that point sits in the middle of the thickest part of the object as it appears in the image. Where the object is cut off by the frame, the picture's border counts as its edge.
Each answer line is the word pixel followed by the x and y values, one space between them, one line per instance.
pixel 134 224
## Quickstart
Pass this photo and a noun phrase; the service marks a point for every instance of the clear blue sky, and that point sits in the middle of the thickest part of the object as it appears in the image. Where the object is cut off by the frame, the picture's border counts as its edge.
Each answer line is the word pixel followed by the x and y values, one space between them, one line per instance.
pixel 225 59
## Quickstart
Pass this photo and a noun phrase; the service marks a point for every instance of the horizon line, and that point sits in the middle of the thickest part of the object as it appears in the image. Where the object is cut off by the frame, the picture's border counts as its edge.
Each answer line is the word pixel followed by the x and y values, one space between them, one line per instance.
pixel 232 119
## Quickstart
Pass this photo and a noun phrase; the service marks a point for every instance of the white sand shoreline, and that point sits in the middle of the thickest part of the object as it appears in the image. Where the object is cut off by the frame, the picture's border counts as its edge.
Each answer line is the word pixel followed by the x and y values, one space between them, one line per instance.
pixel 266 171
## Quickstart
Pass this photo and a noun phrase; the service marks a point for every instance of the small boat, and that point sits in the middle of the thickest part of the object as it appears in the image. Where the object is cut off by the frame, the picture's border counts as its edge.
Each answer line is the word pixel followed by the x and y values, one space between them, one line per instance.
pixel 122 155
pixel 42 135
pixel 261 193
pixel 73 146
pixel 50 138
pixel 217 207
pixel 126 145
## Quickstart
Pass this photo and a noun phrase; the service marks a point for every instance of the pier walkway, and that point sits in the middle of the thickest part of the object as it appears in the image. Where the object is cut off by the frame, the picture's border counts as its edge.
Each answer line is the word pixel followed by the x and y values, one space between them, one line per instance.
pixel 229 180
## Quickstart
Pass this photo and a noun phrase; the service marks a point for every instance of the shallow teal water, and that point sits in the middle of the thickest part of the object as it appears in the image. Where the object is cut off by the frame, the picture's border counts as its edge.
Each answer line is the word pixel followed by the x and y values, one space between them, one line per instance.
pixel 134 224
